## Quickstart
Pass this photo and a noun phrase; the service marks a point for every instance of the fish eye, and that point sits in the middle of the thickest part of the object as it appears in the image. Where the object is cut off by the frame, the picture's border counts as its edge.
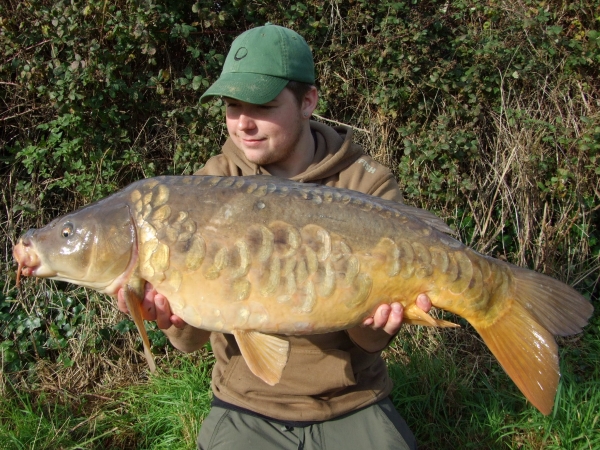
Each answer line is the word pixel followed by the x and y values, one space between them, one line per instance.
pixel 67 230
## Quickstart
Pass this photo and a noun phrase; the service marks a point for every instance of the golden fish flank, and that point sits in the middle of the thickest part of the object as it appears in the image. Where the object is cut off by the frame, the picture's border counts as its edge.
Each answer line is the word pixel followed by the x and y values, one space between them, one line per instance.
pixel 282 268
pixel 293 279
pixel 257 256
pixel 295 266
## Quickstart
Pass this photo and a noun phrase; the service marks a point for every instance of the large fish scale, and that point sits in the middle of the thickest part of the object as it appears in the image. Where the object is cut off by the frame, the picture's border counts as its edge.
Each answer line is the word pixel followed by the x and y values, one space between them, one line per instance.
pixel 257 256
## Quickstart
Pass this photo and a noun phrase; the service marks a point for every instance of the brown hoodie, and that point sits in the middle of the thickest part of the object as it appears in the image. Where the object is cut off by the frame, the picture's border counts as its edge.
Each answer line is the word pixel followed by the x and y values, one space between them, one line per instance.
pixel 326 375
pixel 337 162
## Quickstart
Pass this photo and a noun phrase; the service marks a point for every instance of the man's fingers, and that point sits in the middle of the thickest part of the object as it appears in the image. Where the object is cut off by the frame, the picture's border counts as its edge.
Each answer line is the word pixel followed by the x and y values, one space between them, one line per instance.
pixel 149 291
pixel 163 312
pixel 155 308
pixel 424 302
pixel 148 309
pixel 177 322
pixel 368 322
pixel 394 322
pixel 381 316
pixel 121 304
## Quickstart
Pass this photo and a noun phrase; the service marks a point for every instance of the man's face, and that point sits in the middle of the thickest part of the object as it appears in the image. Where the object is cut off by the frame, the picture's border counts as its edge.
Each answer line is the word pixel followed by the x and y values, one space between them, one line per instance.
pixel 269 133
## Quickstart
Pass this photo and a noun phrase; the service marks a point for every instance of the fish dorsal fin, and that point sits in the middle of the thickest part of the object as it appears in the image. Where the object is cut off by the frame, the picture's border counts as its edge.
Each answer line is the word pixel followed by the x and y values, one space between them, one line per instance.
pixel 427 217
pixel 265 354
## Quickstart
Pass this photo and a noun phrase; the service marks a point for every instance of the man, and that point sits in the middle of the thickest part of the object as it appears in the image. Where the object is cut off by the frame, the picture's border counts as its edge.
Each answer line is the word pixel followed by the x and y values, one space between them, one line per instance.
pixel 334 390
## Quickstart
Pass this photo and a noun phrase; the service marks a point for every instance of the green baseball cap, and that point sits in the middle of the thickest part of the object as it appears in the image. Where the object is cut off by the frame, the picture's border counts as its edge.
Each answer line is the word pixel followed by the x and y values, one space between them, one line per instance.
pixel 260 64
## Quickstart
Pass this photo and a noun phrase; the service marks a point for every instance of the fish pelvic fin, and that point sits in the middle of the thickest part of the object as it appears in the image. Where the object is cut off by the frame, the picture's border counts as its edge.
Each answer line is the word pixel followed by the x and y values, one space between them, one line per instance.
pixel 413 315
pixel 265 354
pixel 134 305
pixel 528 354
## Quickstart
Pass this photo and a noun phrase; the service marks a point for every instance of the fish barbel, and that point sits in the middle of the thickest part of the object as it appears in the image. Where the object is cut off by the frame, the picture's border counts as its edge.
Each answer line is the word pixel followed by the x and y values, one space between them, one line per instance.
pixel 261 258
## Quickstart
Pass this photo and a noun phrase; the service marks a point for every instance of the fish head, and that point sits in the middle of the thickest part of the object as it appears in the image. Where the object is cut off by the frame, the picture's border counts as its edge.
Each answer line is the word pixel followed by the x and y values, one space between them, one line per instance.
pixel 93 247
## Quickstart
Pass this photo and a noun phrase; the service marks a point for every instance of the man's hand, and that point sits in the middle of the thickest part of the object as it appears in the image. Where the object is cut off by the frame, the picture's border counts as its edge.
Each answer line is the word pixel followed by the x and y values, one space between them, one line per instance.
pixel 155 308
pixel 375 332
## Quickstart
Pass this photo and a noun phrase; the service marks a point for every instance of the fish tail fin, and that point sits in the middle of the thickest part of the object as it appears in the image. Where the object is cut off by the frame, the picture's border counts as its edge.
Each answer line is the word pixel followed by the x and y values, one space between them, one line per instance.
pixel 134 305
pixel 522 340
pixel 555 305
pixel 528 354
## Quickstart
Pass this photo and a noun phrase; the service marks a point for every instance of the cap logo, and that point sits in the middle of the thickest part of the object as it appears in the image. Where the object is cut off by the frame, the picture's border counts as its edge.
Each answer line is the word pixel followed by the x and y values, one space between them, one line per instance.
pixel 241 53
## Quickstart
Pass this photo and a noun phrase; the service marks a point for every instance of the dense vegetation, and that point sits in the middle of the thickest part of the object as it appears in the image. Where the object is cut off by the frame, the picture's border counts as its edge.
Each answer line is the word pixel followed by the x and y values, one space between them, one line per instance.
pixel 487 111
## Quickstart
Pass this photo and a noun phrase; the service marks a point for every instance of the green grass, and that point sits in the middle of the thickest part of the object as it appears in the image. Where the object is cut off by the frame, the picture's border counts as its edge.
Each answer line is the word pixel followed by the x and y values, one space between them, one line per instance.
pixel 163 413
pixel 457 396
pixel 452 393
pixel 33 420
pixel 168 411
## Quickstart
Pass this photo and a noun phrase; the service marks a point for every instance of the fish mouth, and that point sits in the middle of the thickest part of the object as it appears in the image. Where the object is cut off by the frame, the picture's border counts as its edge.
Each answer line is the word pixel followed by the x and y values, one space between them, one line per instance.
pixel 26 257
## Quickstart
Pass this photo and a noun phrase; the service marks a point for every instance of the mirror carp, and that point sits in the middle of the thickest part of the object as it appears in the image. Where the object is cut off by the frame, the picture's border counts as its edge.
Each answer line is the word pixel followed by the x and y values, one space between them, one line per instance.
pixel 262 258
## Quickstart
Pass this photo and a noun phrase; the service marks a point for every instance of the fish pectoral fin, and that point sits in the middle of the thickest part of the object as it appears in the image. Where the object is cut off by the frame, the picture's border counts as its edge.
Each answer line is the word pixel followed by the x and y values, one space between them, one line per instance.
pixel 134 305
pixel 413 315
pixel 265 354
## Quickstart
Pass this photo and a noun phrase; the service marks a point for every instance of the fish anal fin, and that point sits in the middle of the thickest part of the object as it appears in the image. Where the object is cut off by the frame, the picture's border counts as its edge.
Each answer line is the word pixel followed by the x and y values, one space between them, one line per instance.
pixel 134 305
pixel 527 352
pixel 413 315
pixel 265 354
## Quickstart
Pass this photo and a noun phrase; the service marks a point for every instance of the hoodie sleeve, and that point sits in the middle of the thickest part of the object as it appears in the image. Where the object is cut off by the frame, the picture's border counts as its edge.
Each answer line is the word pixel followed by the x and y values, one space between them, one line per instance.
pixel 370 177
pixel 388 189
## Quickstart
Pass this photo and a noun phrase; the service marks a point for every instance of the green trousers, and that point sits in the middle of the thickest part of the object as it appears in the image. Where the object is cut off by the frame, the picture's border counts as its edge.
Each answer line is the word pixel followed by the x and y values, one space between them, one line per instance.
pixel 379 427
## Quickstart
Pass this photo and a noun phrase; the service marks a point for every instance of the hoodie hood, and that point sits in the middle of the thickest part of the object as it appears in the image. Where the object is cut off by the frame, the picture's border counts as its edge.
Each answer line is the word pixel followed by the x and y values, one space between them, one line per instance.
pixel 335 151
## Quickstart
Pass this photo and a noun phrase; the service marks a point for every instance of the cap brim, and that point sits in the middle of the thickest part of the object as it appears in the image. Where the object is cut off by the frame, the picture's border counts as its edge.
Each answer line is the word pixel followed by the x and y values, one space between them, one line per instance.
pixel 246 87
